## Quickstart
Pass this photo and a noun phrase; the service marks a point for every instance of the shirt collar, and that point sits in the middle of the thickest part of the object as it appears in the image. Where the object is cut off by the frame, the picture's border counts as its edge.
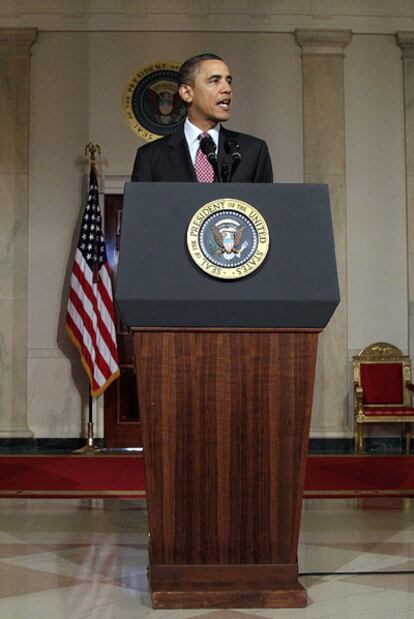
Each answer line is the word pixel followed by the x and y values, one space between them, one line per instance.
pixel 192 132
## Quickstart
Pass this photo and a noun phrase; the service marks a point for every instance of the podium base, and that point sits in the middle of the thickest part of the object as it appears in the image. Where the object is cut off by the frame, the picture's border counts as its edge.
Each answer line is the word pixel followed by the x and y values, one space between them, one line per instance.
pixel 226 586
pixel 288 598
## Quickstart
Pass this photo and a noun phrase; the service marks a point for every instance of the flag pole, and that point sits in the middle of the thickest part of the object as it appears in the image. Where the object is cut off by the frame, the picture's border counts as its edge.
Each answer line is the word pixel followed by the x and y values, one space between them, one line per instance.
pixel 90 448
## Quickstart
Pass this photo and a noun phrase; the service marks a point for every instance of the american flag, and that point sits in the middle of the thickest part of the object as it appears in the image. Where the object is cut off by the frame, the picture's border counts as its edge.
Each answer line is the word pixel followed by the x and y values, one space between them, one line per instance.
pixel 90 318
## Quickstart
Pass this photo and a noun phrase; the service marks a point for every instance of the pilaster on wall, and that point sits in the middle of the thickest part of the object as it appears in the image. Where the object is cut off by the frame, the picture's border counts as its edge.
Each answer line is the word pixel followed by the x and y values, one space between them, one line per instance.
pixel 406 42
pixel 324 162
pixel 15 47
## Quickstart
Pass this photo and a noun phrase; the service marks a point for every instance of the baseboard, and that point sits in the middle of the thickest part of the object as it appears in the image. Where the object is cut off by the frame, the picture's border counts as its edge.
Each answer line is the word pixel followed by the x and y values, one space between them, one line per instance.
pixel 373 445
pixel 382 445
pixel 43 445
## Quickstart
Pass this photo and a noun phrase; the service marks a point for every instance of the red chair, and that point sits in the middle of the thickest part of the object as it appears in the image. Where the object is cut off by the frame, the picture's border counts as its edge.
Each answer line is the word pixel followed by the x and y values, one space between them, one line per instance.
pixel 382 390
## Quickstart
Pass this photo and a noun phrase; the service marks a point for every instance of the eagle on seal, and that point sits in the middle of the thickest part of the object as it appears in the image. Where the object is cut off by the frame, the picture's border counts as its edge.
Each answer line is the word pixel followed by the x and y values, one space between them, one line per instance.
pixel 228 242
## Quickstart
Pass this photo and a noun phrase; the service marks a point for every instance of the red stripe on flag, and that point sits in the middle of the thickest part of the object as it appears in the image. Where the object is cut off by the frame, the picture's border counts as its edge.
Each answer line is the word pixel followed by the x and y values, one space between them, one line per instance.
pixel 104 292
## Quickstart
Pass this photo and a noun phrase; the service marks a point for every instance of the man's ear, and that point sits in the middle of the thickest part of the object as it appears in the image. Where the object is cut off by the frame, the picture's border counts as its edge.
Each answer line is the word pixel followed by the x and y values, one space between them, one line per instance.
pixel 186 92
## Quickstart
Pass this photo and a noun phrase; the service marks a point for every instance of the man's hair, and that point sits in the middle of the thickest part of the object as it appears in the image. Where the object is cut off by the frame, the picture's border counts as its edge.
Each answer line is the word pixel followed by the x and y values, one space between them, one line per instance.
pixel 190 67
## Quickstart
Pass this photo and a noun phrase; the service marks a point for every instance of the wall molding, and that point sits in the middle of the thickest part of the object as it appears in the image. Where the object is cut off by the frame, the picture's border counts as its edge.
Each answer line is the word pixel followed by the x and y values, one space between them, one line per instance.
pixel 24 37
pixel 381 16
pixel 406 41
pixel 323 42
pixel 68 353
pixel 113 183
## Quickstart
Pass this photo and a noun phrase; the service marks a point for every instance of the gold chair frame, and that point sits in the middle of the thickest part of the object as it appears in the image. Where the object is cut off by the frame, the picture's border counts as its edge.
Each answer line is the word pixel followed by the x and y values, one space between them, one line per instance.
pixel 381 352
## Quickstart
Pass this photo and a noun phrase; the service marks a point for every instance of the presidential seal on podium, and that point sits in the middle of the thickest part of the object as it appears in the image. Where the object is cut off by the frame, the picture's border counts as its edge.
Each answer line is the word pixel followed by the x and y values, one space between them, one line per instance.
pixel 228 238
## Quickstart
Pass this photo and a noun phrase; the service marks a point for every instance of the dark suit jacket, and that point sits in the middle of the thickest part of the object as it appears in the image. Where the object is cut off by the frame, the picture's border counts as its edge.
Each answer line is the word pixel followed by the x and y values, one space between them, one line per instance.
pixel 168 159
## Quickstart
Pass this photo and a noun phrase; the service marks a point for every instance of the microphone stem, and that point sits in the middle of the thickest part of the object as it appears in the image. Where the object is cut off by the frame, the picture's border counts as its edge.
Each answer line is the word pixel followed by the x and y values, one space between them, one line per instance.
pixel 214 164
pixel 225 173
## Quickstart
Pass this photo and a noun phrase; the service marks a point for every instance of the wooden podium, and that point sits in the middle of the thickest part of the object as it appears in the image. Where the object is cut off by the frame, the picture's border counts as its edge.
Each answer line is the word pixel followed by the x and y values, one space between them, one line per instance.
pixel 225 374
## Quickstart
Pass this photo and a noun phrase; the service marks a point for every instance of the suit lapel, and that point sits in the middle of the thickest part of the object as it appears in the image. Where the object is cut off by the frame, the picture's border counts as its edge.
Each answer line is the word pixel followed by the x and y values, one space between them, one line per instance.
pixel 180 157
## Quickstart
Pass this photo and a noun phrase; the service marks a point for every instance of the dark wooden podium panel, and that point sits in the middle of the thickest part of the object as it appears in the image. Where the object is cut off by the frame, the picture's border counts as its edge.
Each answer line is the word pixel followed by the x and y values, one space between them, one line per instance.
pixel 225 418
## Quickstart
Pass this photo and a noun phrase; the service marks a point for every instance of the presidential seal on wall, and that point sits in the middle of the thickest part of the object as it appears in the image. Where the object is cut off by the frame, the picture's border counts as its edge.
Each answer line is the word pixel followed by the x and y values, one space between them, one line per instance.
pixel 151 103
pixel 228 238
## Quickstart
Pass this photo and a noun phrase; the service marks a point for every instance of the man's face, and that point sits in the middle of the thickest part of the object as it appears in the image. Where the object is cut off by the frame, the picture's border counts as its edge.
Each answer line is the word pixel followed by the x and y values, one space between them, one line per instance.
pixel 209 98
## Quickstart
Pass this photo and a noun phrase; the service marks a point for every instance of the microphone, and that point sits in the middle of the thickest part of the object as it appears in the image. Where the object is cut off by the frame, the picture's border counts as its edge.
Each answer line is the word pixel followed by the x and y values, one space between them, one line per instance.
pixel 208 147
pixel 232 148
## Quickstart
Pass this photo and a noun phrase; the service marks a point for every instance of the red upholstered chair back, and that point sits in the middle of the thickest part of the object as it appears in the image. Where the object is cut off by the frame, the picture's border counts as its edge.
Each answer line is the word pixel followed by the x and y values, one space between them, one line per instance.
pixel 382 390
pixel 382 383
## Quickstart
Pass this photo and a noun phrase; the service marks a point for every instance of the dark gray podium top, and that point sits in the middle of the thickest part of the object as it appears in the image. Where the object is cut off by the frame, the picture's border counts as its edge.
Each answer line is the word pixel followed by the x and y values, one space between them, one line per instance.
pixel 158 284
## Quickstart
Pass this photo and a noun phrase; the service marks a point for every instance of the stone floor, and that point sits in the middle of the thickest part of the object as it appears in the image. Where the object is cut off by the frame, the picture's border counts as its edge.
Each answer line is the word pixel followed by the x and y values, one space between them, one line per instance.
pixel 73 559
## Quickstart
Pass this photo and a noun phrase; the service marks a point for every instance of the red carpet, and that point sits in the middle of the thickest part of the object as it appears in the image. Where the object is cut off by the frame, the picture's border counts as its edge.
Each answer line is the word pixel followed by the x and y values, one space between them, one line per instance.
pixel 344 476
pixel 72 476
pixel 122 476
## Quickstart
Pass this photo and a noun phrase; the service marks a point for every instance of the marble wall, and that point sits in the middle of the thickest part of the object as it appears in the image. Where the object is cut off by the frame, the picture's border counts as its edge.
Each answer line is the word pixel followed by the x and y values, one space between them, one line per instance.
pixel 376 202
pixel 77 98
pixel 406 42
pixel 14 122
pixel 60 117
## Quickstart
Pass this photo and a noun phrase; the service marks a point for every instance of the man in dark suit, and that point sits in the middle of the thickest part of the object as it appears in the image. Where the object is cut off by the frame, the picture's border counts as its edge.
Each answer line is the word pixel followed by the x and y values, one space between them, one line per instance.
pixel 205 85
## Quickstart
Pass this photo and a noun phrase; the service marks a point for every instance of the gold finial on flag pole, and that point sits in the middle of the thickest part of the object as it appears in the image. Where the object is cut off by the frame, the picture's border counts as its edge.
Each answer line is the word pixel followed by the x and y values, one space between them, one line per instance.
pixel 90 150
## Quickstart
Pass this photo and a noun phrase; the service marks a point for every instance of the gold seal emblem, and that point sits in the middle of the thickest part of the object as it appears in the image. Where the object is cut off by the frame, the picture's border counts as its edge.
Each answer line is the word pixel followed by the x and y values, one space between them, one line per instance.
pixel 151 103
pixel 228 238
